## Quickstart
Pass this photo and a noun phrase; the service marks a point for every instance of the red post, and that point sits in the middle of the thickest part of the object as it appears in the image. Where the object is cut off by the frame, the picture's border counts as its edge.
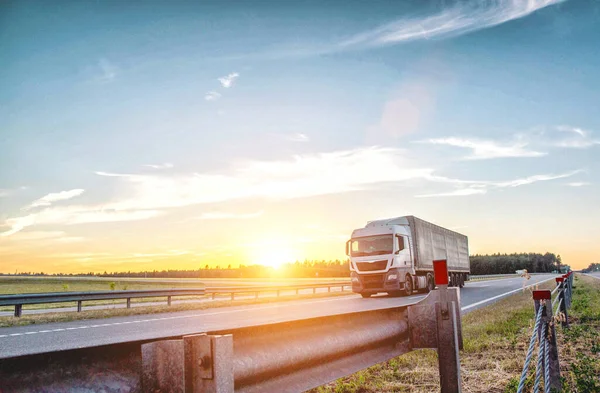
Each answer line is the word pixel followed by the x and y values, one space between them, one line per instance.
pixel 440 272
pixel 542 294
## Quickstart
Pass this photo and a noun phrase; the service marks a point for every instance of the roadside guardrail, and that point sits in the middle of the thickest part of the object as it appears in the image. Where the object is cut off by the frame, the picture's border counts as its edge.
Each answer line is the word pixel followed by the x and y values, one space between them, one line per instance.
pixel 62 297
pixel 548 312
pixel 299 355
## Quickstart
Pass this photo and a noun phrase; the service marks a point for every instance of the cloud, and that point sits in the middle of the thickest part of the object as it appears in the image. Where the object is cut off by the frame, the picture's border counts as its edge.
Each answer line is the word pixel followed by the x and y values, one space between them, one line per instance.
pixel 297 137
pixel 462 18
pixel 166 165
pixel 212 96
pixel 578 138
pixel 480 187
pixel 486 149
pixel 579 184
pixel 459 192
pixel 70 215
pixel 227 216
pixel 108 70
pixel 300 176
pixel 227 81
pixel 49 199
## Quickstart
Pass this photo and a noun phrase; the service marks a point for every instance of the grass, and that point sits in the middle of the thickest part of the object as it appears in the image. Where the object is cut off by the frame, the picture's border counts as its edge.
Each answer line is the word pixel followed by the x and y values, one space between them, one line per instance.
pixel 32 319
pixel 495 344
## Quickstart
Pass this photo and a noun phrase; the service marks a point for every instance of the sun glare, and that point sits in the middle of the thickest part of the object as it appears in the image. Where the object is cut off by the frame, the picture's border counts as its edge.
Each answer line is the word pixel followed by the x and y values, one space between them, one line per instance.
pixel 274 257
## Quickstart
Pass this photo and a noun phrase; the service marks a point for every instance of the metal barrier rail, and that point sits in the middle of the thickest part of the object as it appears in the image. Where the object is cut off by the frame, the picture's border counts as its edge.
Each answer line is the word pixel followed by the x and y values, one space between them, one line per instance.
pixel 62 297
pixel 547 313
pixel 300 355
pixel 277 289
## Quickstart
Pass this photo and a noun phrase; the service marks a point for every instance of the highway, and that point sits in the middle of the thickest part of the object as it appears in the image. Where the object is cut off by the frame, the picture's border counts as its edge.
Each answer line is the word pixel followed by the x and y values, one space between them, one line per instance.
pixel 37 339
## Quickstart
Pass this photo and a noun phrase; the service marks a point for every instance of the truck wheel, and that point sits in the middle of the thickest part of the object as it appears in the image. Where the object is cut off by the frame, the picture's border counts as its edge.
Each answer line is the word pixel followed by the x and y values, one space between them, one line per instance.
pixel 366 295
pixel 430 283
pixel 408 285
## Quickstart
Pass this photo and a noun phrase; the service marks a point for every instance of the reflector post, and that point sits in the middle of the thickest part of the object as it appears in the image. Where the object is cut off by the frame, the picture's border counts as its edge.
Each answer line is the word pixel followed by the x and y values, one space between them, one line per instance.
pixel 542 295
pixel 440 272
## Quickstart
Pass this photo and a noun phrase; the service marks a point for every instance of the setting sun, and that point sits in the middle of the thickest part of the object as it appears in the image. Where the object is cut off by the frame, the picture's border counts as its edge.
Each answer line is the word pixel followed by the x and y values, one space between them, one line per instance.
pixel 274 253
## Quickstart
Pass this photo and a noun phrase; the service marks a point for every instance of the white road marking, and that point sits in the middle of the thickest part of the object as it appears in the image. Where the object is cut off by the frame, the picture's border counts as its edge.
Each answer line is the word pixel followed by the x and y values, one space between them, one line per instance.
pixel 502 295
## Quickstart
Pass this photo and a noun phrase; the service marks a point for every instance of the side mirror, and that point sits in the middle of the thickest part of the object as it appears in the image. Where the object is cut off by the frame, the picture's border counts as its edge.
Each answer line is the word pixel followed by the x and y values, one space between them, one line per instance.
pixel 348 248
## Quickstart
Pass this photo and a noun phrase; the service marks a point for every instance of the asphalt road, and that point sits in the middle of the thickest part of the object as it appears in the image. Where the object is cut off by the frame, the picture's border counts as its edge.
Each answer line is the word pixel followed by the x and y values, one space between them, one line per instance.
pixel 35 339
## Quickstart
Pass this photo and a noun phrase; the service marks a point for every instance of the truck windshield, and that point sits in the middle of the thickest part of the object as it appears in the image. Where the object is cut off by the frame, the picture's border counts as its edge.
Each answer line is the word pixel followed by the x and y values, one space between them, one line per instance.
pixel 372 245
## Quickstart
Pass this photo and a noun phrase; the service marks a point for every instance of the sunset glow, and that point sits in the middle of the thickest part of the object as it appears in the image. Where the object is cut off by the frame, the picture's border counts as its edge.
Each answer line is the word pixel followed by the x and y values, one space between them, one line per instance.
pixel 212 134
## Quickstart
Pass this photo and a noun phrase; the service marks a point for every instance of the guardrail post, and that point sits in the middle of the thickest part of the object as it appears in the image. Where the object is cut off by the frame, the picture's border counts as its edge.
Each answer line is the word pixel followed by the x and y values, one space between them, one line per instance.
pixel 213 296
pixel 232 296
pixel 18 310
pixel 128 302
pixel 547 332
pixel 208 364
pixel 562 300
pixel 314 290
pixel 297 291
pixel 79 305
pixel 278 293
pixel 447 332
pixel 256 295
pixel 168 300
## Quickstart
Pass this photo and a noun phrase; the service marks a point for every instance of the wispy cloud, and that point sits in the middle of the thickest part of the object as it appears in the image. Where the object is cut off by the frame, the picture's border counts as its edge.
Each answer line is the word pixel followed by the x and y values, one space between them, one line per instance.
pixel 487 149
pixel 579 184
pixel 227 81
pixel 212 96
pixel 297 137
pixel 226 215
pixel 70 215
pixel 301 176
pixel 461 18
pixel 480 187
pixel 577 138
pixel 49 199
pixel 166 165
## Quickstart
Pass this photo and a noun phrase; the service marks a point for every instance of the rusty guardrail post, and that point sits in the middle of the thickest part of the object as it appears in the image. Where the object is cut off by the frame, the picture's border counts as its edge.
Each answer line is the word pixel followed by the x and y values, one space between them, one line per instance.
pixel 547 332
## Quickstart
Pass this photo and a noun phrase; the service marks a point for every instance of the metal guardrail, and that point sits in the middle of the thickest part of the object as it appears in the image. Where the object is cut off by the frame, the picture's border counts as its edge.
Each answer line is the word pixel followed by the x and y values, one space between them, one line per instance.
pixel 299 355
pixel 547 313
pixel 61 297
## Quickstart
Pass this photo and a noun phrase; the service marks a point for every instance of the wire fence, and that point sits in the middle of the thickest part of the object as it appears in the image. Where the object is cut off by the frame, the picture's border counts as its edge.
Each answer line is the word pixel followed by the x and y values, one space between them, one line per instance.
pixel 548 312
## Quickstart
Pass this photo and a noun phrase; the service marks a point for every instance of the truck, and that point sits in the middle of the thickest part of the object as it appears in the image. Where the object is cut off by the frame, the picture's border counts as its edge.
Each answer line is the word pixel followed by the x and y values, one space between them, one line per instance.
pixel 396 255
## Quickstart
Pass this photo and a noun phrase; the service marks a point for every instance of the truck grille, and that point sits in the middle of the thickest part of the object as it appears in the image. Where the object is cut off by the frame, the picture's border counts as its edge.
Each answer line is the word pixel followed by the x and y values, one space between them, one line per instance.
pixel 373 281
pixel 371 266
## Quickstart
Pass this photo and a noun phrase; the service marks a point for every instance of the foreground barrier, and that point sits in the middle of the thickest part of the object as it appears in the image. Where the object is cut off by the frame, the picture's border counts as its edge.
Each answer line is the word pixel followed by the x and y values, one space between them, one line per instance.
pixel 548 312
pixel 299 355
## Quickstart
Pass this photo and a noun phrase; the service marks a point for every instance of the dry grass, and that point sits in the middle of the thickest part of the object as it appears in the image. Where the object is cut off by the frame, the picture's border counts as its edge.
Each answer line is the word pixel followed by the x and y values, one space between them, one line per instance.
pixel 495 340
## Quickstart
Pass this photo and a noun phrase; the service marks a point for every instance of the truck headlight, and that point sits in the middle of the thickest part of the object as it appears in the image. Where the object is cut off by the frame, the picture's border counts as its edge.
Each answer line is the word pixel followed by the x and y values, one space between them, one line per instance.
pixel 354 277
pixel 392 277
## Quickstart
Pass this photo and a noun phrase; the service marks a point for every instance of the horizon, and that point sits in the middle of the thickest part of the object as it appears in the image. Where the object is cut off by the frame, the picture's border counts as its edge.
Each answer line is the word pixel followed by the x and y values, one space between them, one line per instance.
pixel 155 136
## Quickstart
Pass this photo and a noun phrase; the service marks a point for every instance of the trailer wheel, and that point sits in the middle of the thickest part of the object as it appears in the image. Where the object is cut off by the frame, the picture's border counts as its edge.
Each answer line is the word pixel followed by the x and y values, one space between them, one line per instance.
pixel 408 285
pixel 430 283
pixel 366 295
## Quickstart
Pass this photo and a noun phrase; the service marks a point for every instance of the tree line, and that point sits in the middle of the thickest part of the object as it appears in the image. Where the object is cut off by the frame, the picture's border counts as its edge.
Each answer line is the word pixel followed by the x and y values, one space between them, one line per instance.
pixel 480 264
pixel 509 263
pixel 594 267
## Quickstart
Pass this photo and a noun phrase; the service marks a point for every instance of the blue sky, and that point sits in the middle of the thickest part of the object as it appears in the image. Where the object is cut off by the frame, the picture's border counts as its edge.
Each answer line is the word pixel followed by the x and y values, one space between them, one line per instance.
pixel 187 133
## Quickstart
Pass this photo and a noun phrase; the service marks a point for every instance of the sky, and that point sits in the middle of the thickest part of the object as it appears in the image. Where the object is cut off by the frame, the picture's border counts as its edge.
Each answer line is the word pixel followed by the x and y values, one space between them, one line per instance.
pixel 175 135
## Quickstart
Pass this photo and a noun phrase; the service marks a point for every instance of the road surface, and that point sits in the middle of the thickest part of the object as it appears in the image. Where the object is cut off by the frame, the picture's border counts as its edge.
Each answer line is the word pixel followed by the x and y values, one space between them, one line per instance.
pixel 35 339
